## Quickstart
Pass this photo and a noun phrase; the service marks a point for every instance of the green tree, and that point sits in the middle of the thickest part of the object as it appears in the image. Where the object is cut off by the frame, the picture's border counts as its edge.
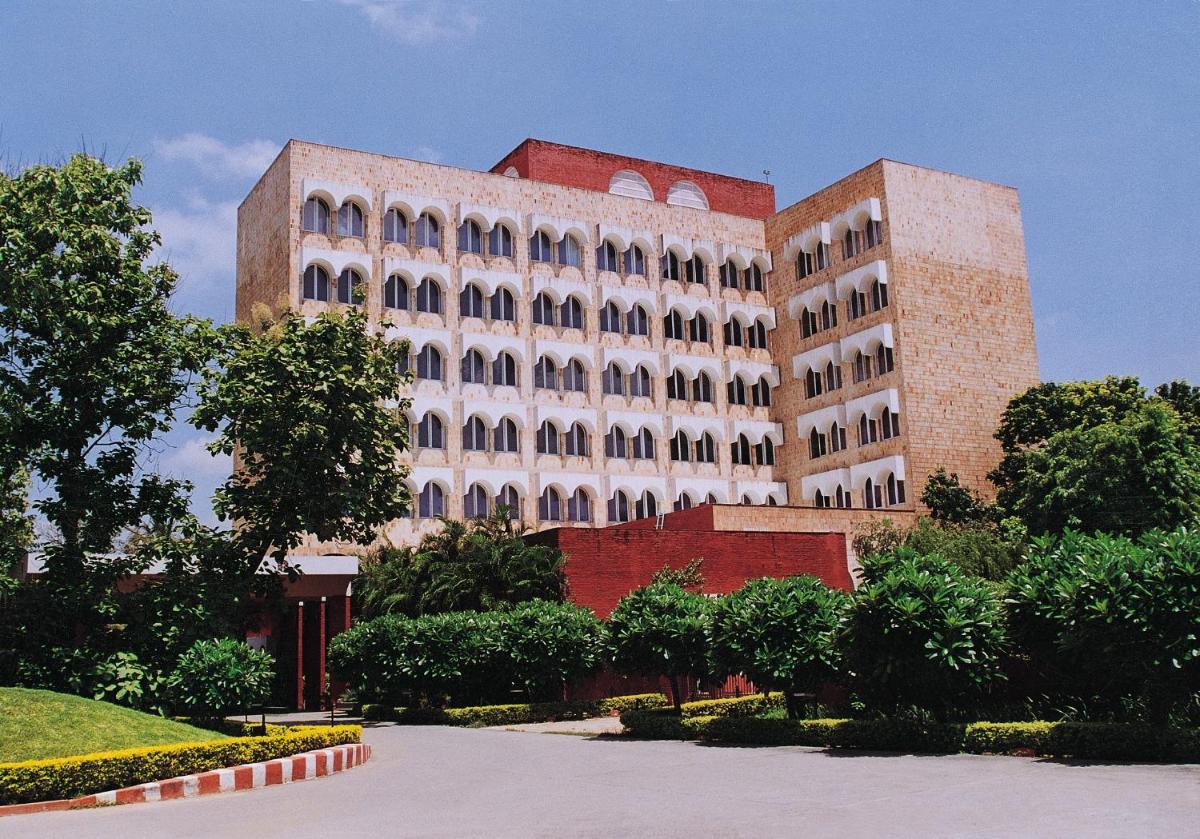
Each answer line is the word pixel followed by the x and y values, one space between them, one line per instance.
pixel 478 564
pixel 986 551
pixel 919 633
pixel 311 411
pixel 950 502
pixel 661 630
pixel 690 577
pixel 549 644
pixel 94 364
pixel 1185 399
pixel 1107 618
pixel 781 633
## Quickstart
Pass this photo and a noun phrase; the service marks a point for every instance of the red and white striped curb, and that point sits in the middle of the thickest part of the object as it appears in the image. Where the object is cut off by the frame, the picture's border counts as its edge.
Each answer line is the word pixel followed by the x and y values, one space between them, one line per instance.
pixel 282 770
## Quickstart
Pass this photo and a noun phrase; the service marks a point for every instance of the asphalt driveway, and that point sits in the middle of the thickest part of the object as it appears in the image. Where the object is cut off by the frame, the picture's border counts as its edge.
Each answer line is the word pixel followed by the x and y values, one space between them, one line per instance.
pixel 449 782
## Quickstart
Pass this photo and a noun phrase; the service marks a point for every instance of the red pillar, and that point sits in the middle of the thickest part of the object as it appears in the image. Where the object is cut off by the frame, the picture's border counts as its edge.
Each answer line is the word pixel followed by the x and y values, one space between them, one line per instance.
pixel 300 656
pixel 321 653
pixel 346 603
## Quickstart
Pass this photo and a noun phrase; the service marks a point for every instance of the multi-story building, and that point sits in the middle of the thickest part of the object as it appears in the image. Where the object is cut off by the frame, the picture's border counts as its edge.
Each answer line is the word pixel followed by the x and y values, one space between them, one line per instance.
pixel 597 338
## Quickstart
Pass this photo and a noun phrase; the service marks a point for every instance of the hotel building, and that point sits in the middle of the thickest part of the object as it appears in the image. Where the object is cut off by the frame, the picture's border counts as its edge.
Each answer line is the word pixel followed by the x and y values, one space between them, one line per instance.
pixel 597 338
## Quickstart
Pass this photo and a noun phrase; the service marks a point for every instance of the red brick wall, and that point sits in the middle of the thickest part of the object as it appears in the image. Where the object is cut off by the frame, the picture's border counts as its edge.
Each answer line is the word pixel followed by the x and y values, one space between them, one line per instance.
pixel 602 566
pixel 588 169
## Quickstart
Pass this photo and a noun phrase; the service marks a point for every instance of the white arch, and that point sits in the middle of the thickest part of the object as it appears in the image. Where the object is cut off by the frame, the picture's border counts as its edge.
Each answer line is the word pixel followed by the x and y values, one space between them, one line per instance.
pixel 877 470
pixel 867 340
pixel 861 278
pixel 623 237
pixel 561 352
pixel 414 205
pixel 560 288
pixel 694 426
pixel 810 299
pixel 635 419
pixel 336 261
pixel 757 430
pixel 629 296
pixel 566 417
pixel 632 358
pixel 806 240
pixel 568 482
pixel 557 227
pixel 701 488
pixel 419 269
pixel 489 217
pixel 337 193
pixel 826 482
pixel 872 404
pixel 821 420
pixel 755 369
pixel 491 281
pixel 816 359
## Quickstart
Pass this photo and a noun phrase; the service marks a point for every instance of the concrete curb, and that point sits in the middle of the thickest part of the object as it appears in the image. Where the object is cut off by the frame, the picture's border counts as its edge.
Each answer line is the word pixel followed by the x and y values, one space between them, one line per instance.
pixel 269 773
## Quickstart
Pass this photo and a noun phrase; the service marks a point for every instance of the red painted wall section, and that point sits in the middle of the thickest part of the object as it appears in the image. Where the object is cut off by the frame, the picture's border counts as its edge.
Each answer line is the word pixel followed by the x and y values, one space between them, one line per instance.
pixel 554 163
pixel 604 565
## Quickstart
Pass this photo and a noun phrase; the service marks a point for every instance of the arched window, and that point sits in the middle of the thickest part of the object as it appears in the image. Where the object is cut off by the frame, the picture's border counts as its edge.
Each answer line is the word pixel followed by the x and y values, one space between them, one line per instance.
pixel 539 247
pixel 761 393
pixel 509 502
pixel 861 367
pixel 395 292
pixel 754 278
pixel 890 423
pixel 579 506
pixel 857 305
pixel 683 502
pixel 543 309
pixel 571 313
pixel 475 502
pixel 702 388
pixel 804 264
pixel 841 498
pixel 695 270
pixel 867 430
pixel 545 374
pixel 819 499
pixel 504 370
pixel 873 232
pixel 673 325
pixel 576 442
pixel 395 227
pixel 550 505
pixel 647 505
pixel 316 283
pixel 630 184
pixel 640 383
pixel 470 302
pixel 474 436
pixel 677 385
pixel 613 380
pixel 812 384
pixel 883 360
pixel 808 323
pixel 506 437
pixel 637 321
pixel 432 502
pixel 837 437
pixel 736 391
pixel 828 315
pixel 698 329
pixel 575 376
pixel 816 444
pixel 706 449
pixel 616 444
pixel 634 260
pixel 764 452
pixel 681 447
pixel 606 256
pixel 429 296
pixel 503 305
pixel 747 501
pixel 500 241
pixel 643 445
pixel 848 244
pixel 474 368
pixel 872 497
pixel 569 252
pixel 895 490
pixel 740 449
pixel 833 376
pixel 618 507
pixel 729 275
pixel 429 363
pixel 547 438
pixel 758 335
pixel 430 432
pixel 315 216
pixel 610 317
pixel 822 255
pixel 670 266
pixel 710 499
pixel 427 232
pixel 470 237
pixel 879 296
pixel 687 194
pixel 733 333
pixel 350 220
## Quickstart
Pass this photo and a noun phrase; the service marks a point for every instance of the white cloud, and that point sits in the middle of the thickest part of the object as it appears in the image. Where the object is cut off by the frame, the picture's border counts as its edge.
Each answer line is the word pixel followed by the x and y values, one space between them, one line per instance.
pixel 216 158
pixel 192 462
pixel 418 21
pixel 200 242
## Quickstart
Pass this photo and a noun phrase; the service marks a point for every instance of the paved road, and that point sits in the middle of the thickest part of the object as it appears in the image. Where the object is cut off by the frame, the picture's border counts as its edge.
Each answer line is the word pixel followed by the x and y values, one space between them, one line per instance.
pixel 448 782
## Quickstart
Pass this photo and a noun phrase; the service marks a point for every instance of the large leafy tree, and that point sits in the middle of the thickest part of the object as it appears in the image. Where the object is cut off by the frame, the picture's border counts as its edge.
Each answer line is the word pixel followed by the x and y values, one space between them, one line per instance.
pixel 313 412
pixel 1099 456
pixel 781 633
pixel 661 630
pixel 479 564
pixel 93 363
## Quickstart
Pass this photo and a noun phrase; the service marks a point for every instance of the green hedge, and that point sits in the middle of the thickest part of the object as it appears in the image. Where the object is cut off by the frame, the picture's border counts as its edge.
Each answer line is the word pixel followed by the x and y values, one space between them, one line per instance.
pixel 742 706
pixel 71 777
pixel 516 714
pixel 1099 741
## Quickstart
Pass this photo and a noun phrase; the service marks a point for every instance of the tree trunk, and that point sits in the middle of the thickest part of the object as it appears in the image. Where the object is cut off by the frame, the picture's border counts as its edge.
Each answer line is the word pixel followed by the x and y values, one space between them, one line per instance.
pixel 675 694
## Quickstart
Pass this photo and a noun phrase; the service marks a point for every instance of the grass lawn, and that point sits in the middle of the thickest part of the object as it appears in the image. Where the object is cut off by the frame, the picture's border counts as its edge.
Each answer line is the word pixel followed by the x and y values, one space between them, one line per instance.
pixel 38 724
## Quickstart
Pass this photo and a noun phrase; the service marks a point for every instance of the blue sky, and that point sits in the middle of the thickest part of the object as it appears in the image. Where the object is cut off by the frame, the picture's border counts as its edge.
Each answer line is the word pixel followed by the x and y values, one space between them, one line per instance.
pixel 1091 110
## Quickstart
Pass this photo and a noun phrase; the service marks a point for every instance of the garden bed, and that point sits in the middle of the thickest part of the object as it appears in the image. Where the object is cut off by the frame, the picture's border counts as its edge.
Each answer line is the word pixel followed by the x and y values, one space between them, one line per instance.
pixel 515 714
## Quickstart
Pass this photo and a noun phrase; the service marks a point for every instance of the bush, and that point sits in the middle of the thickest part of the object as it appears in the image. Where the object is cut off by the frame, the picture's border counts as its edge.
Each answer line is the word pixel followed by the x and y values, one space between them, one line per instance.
pixel 922 634
pixel 516 714
pixel 662 724
pixel 42 780
pixel 979 550
pixel 781 633
pixel 1112 618
pixel 741 706
pixel 220 677
pixel 660 630
pixel 549 644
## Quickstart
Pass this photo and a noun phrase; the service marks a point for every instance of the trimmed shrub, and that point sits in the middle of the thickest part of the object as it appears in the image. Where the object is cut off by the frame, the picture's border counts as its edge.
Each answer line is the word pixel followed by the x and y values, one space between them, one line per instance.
pixel 516 714
pixel 781 633
pixel 220 677
pixel 548 644
pixel 71 777
pixel 921 633
pixel 742 706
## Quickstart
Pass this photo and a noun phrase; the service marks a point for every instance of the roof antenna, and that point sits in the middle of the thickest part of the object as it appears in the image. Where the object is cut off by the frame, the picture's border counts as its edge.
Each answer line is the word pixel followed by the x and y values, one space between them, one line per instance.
pixel 767 175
